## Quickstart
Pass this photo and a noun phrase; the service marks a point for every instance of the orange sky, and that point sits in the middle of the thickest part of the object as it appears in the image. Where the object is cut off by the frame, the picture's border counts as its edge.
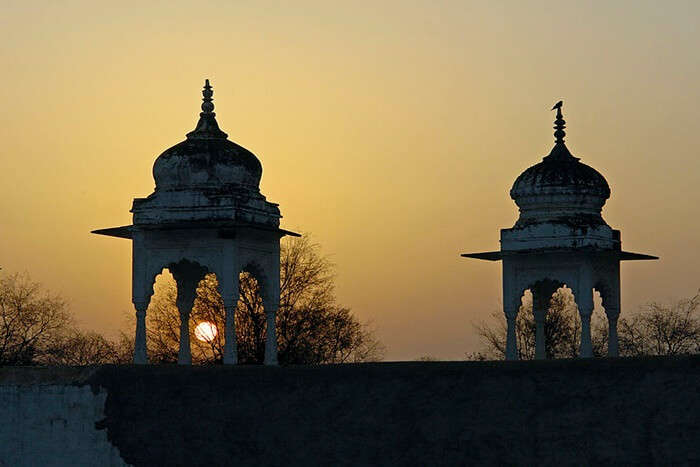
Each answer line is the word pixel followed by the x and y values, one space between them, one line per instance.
pixel 392 131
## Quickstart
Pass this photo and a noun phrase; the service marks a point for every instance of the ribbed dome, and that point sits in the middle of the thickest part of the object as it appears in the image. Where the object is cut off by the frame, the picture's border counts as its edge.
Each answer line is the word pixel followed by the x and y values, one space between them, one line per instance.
pixel 560 188
pixel 207 160
pixel 206 164
pixel 560 175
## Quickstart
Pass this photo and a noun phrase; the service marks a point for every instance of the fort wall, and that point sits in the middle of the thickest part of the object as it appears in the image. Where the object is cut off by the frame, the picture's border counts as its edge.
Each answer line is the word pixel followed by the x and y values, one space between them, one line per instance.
pixel 618 411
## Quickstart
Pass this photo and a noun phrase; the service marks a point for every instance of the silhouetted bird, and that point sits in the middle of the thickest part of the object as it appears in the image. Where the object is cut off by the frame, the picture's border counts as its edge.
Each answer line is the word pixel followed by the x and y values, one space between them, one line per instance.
pixel 558 105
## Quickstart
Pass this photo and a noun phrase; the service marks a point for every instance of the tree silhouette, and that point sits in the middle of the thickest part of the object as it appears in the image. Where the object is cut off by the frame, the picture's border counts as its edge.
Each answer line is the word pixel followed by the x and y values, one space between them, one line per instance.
pixel 32 320
pixel 562 329
pixel 311 327
pixel 656 329
pixel 662 329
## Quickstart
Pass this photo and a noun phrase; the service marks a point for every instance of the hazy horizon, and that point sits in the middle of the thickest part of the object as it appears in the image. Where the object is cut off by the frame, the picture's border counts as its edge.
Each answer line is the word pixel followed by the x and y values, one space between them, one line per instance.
pixel 391 132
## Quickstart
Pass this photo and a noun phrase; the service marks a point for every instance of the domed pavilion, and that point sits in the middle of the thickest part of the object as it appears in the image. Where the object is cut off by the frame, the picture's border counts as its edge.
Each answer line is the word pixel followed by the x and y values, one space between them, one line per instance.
pixel 560 239
pixel 206 215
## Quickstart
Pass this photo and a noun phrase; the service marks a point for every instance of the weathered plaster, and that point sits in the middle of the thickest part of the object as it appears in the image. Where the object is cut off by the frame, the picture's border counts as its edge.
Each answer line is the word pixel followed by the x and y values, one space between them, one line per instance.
pixel 206 215
pixel 560 237
pixel 54 425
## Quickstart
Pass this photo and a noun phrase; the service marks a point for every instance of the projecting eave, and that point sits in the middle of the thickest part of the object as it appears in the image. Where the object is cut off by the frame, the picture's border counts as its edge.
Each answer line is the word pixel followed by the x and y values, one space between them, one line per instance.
pixel 629 256
pixel 229 231
pixel 621 255
pixel 486 255
pixel 226 229
pixel 125 231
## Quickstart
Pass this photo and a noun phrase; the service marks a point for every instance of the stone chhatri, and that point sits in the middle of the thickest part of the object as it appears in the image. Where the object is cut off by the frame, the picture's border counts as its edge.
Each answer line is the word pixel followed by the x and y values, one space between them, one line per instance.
pixel 560 239
pixel 206 215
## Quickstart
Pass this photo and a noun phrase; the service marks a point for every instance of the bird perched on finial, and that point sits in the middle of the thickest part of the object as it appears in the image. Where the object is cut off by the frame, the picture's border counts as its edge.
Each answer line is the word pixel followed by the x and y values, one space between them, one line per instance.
pixel 558 105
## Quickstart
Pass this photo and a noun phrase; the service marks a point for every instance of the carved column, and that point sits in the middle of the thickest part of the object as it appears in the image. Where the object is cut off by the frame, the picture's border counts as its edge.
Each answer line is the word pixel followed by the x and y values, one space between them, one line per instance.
pixel 585 309
pixel 271 342
pixel 230 343
pixel 140 354
pixel 583 293
pixel 613 349
pixel 271 303
pixel 186 293
pixel 511 305
pixel 542 292
pixel 511 343
pixel 187 276
pixel 586 350
pixel 229 288
pixel 540 353
pixel 142 279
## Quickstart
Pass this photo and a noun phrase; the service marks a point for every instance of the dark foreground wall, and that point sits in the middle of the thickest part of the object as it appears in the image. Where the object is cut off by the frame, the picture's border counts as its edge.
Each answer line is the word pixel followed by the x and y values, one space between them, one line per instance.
pixel 624 411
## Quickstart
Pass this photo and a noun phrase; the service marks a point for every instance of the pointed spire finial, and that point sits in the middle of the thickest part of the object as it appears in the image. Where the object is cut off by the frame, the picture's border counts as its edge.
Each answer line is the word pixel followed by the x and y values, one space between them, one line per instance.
pixel 207 128
pixel 207 92
pixel 559 123
pixel 559 151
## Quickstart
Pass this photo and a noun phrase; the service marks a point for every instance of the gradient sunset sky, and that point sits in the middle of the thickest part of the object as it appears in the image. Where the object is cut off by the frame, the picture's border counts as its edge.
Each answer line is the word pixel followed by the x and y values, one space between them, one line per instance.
pixel 391 131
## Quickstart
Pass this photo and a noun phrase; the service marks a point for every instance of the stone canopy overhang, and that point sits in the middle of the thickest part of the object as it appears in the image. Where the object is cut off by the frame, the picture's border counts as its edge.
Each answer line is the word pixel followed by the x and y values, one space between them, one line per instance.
pixel 226 229
pixel 615 254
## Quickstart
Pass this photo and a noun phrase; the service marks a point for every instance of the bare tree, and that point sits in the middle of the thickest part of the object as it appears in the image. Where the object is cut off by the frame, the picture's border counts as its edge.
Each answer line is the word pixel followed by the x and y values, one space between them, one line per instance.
pixel 662 329
pixel 80 348
pixel 31 320
pixel 656 329
pixel 311 327
pixel 562 330
pixel 37 328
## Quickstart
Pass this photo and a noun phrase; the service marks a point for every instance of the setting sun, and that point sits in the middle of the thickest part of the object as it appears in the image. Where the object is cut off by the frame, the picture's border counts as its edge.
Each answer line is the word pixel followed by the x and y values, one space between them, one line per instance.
pixel 205 331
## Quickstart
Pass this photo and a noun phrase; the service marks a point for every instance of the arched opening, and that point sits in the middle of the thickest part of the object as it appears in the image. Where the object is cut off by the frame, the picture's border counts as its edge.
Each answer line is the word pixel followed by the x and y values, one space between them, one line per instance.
pixel 163 320
pixel 207 322
pixel 170 302
pixel 553 304
pixel 563 325
pixel 251 328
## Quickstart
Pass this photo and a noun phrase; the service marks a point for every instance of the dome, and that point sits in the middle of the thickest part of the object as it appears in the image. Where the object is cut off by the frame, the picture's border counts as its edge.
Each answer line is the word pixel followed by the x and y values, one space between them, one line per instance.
pixel 207 160
pixel 207 163
pixel 560 175
pixel 560 187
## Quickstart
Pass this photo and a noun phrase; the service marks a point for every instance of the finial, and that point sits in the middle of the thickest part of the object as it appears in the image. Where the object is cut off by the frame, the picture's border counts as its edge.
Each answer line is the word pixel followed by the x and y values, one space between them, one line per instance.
pixel 207 105
pixel 207 128
pixel 559 123
pixel 559 151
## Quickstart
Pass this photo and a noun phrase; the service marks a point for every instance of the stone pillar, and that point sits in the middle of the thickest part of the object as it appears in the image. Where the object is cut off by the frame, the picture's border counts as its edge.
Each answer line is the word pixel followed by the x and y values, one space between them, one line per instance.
pixel 511 343
pixel 511 306
pixel 583 294
pixel 185 302
pixel 142 279
pixel 542 292
pixel 229 289
pixel 586 350
pixel 140 354
pixel 540 352
pixel 613 349
pixel 271 343
pixel 230 344
pixel 187 276
pixel 271 301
